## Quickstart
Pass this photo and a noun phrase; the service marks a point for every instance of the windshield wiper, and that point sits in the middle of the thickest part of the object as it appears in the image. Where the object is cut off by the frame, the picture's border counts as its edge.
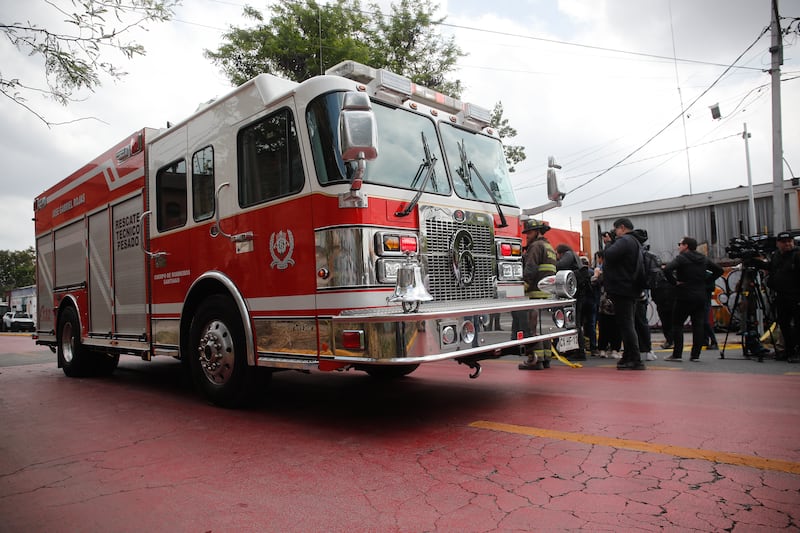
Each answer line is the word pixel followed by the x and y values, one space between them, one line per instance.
pixel 463 170
pixel 466 175
pixel 427 163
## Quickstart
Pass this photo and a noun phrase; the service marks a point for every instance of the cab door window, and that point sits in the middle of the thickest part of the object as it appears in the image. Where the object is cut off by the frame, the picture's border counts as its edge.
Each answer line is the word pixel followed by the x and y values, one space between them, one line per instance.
pixel 203 184
pixel 269 159
pixel 171 196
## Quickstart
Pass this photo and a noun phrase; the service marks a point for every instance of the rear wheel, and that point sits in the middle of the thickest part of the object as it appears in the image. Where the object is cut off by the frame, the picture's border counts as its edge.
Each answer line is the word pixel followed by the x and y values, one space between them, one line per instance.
pixel 389 371
pixel 73 358
pixel 218 354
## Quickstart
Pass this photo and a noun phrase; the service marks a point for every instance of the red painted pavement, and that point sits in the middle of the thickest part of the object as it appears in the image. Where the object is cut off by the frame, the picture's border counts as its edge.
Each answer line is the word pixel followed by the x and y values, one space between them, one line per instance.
pixel 342 452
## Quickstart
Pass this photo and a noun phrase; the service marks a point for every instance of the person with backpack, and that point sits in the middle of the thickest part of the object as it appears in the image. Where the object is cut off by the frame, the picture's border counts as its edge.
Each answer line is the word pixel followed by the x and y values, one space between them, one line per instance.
pixel 623 278
pixel 567 259
pixel 688 272
pixel 663 294
pixel 641 322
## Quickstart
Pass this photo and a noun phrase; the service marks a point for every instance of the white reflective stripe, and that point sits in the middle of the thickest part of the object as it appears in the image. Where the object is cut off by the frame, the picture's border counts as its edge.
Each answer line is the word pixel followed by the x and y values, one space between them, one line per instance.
pixel 109 172
pixel 167 309
pixel 354 300
pixel 305 302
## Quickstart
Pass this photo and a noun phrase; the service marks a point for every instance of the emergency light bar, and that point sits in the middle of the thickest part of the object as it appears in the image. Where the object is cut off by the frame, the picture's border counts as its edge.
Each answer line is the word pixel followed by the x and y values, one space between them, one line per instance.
pixel 394 85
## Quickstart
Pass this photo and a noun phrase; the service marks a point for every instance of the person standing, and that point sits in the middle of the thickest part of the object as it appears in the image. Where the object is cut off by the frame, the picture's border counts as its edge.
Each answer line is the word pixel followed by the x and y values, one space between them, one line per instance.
pixel 608 340
pixel 690 272
pixel 643 303
pixel 663 295
pixel 708 328
pixel 540 262
pixel 590 320
pixel 567 259
pixel 784 280
pixel 623 275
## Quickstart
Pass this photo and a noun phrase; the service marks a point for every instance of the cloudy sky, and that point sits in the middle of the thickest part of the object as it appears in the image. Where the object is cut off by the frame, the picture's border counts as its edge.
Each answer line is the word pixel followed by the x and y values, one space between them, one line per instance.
pixel 587 81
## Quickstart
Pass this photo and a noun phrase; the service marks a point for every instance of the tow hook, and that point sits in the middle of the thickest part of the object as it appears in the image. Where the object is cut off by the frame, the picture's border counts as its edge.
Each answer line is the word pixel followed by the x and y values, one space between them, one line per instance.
pixel 474 366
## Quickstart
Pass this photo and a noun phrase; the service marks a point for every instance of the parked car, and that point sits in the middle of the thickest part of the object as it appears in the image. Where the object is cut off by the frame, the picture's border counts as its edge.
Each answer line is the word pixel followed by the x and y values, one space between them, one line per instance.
pixel 17 321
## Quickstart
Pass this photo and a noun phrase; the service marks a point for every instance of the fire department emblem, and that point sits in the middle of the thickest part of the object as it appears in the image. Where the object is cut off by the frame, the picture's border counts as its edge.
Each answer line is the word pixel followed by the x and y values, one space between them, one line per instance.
pixel 462 260
pixel 281 246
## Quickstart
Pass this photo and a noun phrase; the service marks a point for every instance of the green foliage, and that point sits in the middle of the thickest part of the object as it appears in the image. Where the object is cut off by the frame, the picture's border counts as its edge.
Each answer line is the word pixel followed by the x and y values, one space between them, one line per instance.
pixel 299 39
pixel 74 58
pixel 408 45
pixel 16 269
pixel 514 154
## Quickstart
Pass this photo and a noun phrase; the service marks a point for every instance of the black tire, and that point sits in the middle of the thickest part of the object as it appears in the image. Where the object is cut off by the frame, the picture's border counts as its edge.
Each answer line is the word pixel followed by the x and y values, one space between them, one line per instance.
pixel 73 358
pixel 218 354
pixel 389 371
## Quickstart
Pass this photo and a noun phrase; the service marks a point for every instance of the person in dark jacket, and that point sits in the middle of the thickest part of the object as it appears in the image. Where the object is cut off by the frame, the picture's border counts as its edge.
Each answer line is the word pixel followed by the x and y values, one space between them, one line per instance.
pixel 567 259
pixel 690 272
pixel 640 312
pixel 623 263
pixel 784 280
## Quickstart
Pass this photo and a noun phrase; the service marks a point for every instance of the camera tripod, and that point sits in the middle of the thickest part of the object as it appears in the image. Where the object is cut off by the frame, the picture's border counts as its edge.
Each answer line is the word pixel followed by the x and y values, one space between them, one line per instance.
pixel 749 286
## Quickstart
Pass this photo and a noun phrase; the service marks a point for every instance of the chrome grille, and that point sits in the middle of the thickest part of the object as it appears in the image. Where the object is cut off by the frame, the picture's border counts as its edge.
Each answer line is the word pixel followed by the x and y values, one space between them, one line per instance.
pixel 441 282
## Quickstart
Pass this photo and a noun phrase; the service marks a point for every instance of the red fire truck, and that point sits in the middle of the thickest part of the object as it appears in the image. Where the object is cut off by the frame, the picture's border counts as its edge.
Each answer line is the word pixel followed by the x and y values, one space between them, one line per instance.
pixel 353 221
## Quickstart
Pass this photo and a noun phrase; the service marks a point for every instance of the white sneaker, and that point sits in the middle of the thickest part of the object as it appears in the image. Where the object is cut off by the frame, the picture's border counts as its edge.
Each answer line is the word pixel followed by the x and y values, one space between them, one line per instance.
pixel 650 356
pixel 603 354
pixel 616 355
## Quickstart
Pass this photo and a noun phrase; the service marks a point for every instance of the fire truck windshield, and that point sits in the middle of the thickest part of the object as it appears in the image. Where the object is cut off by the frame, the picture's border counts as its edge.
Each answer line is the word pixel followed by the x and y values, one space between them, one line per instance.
pixel 486 154
pixel 403 151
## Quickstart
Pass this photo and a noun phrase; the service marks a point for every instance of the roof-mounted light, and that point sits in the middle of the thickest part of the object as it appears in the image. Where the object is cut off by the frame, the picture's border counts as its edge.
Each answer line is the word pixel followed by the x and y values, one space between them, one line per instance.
pixel 353 71
pixel 477 114
pixel 394 82
pixel 397 88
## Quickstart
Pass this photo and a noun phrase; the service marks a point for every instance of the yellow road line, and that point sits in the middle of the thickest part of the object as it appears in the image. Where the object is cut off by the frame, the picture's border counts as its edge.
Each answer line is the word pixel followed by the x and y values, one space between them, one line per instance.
pixel 761 463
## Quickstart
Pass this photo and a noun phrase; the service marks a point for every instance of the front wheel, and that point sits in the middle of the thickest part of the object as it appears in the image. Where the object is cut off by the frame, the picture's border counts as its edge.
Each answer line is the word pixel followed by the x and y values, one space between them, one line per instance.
pixel 218 354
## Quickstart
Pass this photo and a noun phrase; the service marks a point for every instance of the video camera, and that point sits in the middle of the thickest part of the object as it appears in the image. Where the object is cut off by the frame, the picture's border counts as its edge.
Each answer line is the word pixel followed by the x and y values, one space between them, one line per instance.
pixel 745 248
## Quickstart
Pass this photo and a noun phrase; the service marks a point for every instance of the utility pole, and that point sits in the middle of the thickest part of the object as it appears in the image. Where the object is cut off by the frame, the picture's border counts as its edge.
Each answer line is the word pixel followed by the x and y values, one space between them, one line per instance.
pixel 776 50
pixel 751 199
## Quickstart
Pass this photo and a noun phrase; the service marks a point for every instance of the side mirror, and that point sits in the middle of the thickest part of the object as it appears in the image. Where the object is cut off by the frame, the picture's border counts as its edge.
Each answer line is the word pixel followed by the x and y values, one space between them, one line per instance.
pixel 358 132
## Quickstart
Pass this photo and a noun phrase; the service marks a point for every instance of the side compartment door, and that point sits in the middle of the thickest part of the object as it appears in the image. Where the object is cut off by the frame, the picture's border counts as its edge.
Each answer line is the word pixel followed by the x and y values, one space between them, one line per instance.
pixel 130 311
pixel 45 276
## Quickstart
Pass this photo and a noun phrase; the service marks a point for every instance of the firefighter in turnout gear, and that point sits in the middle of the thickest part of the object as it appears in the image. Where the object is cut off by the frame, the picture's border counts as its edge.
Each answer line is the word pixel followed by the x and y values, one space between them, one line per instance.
pixel 540 262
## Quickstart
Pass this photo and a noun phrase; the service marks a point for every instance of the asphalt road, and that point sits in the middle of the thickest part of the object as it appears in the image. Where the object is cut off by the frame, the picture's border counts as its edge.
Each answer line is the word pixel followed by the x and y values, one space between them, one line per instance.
pixel 709 446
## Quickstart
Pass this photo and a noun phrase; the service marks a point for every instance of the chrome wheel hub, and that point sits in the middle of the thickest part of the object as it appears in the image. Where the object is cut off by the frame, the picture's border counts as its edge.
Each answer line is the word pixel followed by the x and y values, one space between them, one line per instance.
pixel 216 353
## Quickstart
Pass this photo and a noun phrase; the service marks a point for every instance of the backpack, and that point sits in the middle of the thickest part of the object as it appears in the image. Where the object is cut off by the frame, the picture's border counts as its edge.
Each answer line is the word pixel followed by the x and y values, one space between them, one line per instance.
pixel 654 277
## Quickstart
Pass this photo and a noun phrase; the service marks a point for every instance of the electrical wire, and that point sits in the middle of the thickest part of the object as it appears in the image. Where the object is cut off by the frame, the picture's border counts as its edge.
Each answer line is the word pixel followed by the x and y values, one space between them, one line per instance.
pixel 671 122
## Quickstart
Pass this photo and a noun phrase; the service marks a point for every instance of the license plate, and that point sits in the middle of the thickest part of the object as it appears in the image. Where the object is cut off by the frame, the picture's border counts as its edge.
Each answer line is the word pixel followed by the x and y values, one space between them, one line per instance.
pixel 568 343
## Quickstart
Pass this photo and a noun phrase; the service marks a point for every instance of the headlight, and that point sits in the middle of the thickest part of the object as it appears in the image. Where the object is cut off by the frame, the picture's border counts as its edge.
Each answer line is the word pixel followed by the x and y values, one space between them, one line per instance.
pixel 386 269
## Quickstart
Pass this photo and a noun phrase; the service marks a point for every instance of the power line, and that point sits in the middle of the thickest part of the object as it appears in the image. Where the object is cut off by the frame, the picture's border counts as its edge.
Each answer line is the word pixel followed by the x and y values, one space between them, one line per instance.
pixel 671 122
pixel 520 36
pixel 665 154
pixel 592 47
